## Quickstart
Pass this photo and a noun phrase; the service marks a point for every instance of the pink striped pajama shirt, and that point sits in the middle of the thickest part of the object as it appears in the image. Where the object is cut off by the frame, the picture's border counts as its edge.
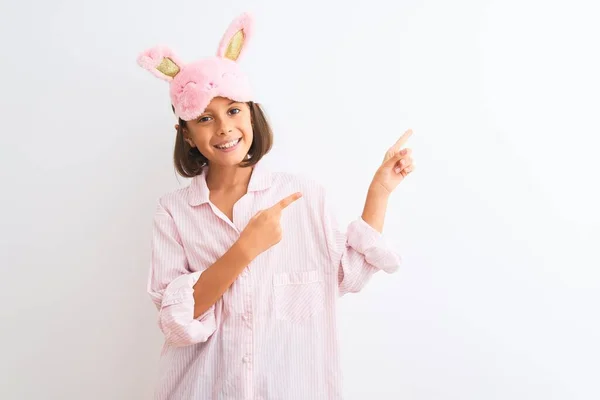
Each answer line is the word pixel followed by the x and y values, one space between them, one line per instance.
pixel 273 334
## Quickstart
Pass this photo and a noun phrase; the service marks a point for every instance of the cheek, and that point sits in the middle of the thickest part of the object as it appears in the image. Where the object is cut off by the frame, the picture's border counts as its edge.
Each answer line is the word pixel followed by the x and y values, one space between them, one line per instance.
pixel 201 138
pixel 246 128
pixel 249 132
pixel 249 136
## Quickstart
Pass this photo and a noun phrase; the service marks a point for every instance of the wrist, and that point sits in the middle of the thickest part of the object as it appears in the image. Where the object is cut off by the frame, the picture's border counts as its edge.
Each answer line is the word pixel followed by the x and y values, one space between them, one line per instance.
pixel 244 250
pixel 378 191
pixel 375 206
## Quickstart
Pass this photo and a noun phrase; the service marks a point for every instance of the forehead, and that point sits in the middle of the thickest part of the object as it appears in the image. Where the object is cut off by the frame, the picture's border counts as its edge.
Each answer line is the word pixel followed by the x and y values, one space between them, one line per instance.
pixel 219 103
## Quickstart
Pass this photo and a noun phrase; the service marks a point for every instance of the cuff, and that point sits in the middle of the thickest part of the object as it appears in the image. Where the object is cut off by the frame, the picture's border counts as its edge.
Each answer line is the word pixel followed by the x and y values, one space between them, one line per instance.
pixel 370 243
pixel 176 318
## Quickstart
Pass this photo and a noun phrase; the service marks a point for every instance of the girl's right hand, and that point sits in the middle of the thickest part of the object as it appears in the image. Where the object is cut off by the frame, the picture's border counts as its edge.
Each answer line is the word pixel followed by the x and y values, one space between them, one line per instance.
pixel 264 230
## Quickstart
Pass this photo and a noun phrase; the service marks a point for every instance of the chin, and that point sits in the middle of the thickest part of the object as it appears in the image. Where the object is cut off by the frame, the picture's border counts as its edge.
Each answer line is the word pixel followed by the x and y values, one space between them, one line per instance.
pixel 227 163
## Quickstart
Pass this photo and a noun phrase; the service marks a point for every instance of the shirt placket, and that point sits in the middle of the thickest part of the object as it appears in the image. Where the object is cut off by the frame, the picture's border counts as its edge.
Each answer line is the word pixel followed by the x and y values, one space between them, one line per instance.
pixel 248 337
pixel 241 216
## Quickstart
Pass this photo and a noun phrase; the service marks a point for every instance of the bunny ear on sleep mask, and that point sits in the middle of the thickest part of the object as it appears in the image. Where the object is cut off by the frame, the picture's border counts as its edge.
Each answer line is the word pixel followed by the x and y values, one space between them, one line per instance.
pixel 192 86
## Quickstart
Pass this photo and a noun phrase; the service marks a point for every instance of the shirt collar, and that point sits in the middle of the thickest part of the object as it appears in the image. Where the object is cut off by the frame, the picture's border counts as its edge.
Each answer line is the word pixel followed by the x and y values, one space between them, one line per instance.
pixel 260 179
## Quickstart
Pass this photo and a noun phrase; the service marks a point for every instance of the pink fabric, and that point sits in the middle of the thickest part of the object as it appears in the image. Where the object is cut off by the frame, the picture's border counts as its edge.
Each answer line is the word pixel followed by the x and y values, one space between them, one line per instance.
pixel 151 59
pixel 197 83
pixel 245 23
pixel 273 333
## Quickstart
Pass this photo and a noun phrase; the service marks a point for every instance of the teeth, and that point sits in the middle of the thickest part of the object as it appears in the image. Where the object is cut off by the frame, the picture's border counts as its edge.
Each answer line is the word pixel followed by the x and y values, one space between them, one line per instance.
pixel 228 145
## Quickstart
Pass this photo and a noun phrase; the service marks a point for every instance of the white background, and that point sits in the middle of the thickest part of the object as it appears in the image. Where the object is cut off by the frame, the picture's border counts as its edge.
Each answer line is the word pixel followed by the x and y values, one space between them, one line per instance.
pixel 499 225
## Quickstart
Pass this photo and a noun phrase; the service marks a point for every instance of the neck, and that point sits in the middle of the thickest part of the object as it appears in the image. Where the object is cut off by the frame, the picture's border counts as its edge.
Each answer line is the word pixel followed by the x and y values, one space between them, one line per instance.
pixel 227 177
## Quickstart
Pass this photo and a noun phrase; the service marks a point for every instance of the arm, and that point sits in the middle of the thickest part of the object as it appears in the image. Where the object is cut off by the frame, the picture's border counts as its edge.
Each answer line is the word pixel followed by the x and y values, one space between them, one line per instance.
pixel 262 232
pixel 397 164
pixel 217 278
pixel 186 300
pixel 375 207
pixel 362 250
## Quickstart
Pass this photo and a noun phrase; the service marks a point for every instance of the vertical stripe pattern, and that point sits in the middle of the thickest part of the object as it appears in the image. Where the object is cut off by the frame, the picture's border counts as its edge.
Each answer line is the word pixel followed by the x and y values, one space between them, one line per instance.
pixel 273 334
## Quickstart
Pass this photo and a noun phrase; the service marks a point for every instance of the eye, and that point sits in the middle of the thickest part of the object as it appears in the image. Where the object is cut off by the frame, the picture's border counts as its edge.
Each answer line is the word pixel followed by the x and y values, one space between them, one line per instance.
pixel 204 119
pixel 235 111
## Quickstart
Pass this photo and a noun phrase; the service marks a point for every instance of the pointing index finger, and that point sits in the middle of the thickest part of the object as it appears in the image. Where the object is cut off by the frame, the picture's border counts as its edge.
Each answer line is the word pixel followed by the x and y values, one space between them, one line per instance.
pixel 403 139
pixel 288 200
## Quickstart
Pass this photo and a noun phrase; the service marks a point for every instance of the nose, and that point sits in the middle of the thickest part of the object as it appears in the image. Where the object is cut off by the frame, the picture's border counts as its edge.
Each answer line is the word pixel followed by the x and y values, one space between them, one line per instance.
pixel 224 129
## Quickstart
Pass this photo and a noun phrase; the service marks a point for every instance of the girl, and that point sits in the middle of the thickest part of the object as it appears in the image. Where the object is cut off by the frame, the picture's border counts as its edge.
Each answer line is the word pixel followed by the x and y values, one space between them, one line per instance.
pixel 247 264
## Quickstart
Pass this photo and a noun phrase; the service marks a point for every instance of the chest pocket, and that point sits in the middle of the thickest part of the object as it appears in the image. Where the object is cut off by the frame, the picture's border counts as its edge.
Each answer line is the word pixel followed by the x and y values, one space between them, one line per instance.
pixel 298 295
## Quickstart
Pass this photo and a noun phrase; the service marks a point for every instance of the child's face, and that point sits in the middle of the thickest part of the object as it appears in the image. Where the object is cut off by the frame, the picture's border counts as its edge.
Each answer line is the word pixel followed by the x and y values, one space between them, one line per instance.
pixel 223 133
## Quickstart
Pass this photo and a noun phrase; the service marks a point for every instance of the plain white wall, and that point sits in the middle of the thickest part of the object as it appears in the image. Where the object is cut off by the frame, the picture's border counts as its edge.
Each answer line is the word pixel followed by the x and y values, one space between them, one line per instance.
pixel 499 226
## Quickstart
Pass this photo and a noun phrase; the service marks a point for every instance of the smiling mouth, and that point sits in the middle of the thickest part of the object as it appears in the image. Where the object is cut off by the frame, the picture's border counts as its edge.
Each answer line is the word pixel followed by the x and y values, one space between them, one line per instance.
pixel 228 145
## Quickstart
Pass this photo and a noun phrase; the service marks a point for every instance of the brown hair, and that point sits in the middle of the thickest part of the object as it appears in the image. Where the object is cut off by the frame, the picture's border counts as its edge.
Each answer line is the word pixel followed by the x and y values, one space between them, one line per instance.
pixel 189 161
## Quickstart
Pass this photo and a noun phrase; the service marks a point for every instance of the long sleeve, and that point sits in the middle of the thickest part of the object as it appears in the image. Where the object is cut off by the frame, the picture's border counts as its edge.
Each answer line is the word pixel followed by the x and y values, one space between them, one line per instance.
pixel 358 253
pixel 170 285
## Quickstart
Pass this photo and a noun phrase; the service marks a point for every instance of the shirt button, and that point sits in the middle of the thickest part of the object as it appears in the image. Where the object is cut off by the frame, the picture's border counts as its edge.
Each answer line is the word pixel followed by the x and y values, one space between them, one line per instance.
pixel 246 359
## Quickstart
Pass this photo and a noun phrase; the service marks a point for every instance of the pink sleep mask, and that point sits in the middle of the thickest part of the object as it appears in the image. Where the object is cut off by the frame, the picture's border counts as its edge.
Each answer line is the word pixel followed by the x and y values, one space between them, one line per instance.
pixel 194 85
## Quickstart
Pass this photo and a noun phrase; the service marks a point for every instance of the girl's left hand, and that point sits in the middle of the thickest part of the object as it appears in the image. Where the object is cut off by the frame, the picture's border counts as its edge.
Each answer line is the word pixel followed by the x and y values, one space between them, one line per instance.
pixel 396 166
